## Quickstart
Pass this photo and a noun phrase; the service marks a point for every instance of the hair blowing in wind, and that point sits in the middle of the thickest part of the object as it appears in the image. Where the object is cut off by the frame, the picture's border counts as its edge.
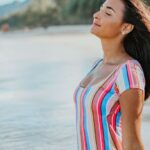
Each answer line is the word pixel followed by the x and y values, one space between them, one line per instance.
pixel 137 42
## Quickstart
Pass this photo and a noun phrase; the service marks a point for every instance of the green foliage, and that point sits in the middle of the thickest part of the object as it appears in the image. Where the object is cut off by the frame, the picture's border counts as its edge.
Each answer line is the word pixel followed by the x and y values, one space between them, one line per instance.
pixel 83 9
pixel 66 12
pixel 33 19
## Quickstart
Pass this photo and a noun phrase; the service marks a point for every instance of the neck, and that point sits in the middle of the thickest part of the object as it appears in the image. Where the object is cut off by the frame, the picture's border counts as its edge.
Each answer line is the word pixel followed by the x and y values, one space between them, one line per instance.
pixel 114 51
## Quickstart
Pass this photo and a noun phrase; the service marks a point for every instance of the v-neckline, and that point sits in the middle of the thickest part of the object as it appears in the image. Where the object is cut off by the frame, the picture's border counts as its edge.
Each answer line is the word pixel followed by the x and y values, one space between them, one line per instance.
pixel 105 79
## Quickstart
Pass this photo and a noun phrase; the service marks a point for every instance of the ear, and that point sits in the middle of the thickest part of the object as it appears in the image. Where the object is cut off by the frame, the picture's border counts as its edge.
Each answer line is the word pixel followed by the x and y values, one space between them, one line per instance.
pixel 127 28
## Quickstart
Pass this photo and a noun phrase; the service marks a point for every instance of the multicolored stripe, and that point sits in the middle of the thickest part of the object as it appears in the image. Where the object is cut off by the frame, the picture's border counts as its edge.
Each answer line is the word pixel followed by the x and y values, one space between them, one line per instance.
pixel 98 112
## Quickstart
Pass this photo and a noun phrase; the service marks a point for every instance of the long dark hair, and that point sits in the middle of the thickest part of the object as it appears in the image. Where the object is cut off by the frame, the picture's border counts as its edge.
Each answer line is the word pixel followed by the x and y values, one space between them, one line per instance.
pixel 137 42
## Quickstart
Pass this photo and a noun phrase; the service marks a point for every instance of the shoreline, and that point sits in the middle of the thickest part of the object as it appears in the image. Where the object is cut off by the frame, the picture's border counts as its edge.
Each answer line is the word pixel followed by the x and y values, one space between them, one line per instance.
pixel 59 29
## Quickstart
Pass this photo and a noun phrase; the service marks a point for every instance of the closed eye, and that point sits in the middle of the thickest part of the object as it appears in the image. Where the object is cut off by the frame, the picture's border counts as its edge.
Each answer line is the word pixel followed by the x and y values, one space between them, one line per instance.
pixel 108 7
pixel 108 14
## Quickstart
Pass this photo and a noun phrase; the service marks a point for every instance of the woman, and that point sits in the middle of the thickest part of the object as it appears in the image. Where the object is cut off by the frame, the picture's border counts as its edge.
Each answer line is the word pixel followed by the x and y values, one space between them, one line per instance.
pixel 109 100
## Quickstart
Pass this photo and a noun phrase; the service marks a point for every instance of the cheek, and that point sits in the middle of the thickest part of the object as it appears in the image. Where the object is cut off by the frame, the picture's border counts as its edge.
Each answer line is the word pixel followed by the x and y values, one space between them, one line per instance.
pixel 111 28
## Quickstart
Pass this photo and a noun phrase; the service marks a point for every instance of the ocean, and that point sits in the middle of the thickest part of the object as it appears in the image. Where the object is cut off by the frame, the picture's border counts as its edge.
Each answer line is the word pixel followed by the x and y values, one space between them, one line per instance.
pixel 38 76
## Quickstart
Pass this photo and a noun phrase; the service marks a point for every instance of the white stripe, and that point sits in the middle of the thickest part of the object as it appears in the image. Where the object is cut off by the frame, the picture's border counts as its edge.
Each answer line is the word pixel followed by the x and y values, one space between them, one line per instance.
pixel 78 118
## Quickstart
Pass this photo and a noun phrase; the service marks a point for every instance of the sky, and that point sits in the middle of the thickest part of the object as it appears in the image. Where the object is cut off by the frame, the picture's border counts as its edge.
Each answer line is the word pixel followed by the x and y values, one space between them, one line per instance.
pixel 3 2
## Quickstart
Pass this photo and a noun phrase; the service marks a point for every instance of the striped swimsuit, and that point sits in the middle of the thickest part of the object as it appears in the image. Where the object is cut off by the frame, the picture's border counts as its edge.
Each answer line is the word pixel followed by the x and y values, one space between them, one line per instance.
pixel 98 112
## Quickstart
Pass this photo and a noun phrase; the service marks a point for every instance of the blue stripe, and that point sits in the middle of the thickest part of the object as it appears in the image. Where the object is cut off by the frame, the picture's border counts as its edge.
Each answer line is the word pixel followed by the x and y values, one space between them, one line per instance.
pixel 104 118
pixel 125 77
pixel 85 118
pixel 118 117
pixel 77 115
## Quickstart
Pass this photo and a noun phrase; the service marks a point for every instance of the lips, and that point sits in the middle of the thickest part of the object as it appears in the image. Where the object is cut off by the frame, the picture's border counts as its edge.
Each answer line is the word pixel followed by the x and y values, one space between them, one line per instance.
pixel 95 23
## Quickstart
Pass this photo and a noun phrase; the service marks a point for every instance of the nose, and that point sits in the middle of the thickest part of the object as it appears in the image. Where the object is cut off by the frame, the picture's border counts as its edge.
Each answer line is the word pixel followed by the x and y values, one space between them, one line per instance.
pixel 96 15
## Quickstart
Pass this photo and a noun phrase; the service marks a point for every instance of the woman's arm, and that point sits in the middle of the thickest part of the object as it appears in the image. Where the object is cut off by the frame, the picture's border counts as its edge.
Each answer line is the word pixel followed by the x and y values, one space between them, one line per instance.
pixel 131 102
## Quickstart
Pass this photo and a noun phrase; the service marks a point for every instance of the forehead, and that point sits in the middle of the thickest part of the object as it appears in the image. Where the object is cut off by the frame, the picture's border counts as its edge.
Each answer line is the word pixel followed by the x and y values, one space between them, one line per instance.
pixel 117 5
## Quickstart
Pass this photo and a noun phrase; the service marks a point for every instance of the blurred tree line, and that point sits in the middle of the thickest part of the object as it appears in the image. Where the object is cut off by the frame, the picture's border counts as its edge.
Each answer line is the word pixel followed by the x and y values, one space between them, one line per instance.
pixel 63 12
pixel 81 11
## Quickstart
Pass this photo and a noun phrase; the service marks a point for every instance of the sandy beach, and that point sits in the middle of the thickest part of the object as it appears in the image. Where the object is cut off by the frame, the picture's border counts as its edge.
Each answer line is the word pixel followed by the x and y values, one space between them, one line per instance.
pixel 39 71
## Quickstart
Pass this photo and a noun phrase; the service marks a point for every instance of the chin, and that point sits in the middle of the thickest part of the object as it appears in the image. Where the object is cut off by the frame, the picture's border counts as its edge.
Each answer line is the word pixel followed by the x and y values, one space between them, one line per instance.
pixel 94 31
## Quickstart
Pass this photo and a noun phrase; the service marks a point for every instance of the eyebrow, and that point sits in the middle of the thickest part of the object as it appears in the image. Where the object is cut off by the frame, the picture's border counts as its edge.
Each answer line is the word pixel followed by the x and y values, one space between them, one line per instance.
pixel 110 8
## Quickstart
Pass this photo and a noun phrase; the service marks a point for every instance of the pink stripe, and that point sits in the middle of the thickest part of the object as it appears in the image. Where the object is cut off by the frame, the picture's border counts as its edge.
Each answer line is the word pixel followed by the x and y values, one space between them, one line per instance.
pixel 99 114
pixel 82 132
pixel 112 125
pixel 116 140
pixel 115 115
pixel 98 120
pixel 129 74
pixel 96 113
pixel 95 120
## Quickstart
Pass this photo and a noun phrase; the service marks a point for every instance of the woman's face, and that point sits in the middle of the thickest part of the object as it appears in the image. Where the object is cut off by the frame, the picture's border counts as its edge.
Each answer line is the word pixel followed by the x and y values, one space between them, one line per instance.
pixel 107 20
